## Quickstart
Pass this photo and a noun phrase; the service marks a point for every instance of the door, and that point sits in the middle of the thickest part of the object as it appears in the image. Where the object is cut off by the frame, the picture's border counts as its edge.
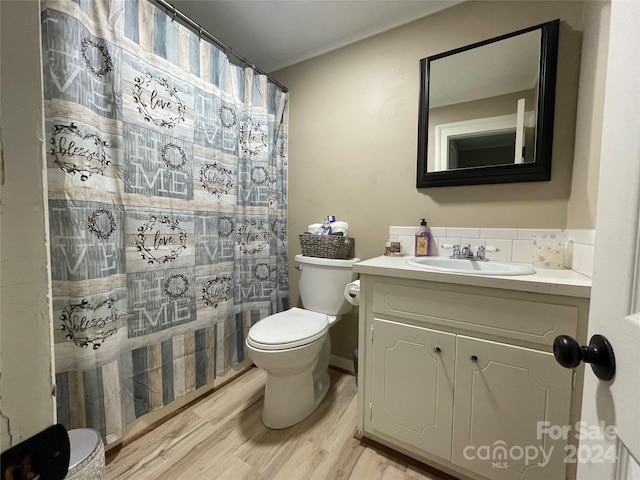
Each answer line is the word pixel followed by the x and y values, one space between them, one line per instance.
pixel 412 385
pixel 502 392
pixel 616 279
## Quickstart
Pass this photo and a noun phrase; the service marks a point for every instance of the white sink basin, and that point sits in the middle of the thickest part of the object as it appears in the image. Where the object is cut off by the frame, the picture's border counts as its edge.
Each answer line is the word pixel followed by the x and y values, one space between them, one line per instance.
pixel 474 267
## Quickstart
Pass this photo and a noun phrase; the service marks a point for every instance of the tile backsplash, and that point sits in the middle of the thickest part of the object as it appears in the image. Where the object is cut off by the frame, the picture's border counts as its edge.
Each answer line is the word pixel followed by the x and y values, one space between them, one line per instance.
pixel 514 244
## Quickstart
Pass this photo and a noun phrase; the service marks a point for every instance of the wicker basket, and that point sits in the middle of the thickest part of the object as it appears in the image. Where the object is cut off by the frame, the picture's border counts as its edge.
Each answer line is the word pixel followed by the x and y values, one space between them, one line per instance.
pixel 326 246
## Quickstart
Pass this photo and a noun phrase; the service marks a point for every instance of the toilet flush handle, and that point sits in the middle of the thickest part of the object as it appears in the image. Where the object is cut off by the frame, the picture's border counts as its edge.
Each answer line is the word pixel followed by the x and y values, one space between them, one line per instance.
pixel 298 267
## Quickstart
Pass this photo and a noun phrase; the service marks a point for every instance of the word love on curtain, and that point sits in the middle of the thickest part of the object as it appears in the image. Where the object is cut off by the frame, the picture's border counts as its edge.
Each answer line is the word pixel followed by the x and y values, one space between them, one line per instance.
pixel 167 176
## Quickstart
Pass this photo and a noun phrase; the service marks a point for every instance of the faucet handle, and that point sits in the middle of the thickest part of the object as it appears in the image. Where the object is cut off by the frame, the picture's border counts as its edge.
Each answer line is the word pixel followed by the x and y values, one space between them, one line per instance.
pixel 482 249
pixel 456 249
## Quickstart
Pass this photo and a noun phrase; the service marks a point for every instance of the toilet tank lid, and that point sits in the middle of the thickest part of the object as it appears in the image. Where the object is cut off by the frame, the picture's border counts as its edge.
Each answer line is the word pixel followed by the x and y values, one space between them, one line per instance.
pixel 295 326
pixel 329 262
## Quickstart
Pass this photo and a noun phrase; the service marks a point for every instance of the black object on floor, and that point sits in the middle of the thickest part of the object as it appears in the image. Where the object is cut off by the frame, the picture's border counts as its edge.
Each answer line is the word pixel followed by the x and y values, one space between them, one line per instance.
pixel 45 456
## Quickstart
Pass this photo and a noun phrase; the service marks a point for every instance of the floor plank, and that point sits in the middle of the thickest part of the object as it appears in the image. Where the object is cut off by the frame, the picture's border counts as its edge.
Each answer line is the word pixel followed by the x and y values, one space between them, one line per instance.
pixel 222 437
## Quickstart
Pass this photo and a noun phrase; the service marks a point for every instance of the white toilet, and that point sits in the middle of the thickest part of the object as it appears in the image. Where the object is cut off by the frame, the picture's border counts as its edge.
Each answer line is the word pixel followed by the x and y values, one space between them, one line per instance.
pixel 293 347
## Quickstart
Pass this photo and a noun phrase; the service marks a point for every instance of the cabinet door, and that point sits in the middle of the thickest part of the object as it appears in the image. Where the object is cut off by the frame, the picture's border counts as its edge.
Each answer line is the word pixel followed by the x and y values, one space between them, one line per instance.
pixel 502 392
pixel 412 385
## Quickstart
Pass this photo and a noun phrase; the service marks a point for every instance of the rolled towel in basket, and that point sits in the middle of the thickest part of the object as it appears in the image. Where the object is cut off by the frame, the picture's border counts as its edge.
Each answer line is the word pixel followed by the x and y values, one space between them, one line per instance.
pixel 340 227
pixel 314 227
pixel 336 227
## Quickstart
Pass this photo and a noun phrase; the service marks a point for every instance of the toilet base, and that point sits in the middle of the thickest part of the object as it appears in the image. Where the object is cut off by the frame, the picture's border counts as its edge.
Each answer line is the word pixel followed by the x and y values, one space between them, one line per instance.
pixel 282 409
pixel 289 399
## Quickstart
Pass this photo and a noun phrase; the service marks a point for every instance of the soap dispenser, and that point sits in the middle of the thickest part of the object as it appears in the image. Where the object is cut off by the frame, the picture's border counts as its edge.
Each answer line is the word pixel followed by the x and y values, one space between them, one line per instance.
pixel 423 240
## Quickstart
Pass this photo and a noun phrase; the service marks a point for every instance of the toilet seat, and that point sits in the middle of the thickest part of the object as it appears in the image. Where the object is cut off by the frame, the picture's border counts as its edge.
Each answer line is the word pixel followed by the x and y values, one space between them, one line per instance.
pixel 289 329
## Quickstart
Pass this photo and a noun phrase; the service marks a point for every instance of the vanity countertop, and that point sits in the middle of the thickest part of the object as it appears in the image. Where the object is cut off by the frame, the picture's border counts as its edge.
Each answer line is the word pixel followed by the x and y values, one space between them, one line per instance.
pixel 547 281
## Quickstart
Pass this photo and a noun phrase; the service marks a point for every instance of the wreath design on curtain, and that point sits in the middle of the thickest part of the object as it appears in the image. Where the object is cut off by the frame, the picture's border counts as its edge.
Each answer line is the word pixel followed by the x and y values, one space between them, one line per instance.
pixel 166 154
pixel 216 179
pixel 149 252
pixel 107 63
pixel 216 291
pixel 253 237
pixel 86 324
pixel 262 271
pixel 227 116
pixel 96 223
pixel 226 226
pixel 173 107
pixel 253 137
pixel 260 176
pixel 76 153
pixel 282 152
pixel 176 286
pixel 280 231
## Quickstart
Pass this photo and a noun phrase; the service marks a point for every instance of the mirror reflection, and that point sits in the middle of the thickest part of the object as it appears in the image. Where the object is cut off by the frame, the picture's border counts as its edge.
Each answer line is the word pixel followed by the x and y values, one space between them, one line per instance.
pixel 486 121
pixel 489 105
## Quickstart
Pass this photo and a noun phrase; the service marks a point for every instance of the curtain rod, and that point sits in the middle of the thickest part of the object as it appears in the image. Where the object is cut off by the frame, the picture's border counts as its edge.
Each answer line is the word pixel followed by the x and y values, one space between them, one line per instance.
pixel 174 13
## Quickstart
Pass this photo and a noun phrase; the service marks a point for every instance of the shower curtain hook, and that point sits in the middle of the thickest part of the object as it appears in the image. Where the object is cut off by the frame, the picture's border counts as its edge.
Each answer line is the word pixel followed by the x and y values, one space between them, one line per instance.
pixel 173 19
pixel 199 32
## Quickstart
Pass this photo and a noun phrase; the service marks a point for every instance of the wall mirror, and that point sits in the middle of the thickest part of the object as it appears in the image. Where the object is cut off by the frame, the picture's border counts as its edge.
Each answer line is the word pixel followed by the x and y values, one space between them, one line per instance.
pixel 486 110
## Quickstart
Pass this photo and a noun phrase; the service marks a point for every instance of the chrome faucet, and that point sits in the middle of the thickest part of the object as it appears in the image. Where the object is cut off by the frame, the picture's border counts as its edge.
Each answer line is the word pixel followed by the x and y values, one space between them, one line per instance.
pixel 466 253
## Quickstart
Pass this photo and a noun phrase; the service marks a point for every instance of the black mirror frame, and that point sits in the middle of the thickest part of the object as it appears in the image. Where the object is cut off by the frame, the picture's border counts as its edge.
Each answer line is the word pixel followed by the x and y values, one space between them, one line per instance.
pixel 537 171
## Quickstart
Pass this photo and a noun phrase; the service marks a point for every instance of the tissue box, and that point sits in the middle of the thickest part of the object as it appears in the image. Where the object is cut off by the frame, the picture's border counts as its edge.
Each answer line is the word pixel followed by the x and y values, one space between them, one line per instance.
pixel 548 251
pixel 326 246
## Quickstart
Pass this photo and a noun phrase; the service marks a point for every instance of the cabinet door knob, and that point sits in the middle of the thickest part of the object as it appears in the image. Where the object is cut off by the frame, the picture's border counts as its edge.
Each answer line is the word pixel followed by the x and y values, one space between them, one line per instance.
pixel 437 350
pixel 474 358
pixel 599 354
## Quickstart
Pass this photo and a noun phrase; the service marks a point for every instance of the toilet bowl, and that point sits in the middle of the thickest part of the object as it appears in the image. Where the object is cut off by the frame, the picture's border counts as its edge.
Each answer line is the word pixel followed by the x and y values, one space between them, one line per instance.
pixel 293 347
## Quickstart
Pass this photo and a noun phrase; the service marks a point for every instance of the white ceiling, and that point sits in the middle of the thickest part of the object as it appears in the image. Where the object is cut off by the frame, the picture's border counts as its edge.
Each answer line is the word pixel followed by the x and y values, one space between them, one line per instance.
pixel 276 34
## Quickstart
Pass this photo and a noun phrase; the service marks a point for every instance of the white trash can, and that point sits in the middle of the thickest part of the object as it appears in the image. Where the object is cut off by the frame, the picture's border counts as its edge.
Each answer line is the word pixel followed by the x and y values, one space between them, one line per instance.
pixel 87 455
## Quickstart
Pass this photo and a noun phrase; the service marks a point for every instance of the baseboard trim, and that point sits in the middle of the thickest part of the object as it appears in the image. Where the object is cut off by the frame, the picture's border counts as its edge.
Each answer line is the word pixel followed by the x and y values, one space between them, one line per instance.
pixel 342 364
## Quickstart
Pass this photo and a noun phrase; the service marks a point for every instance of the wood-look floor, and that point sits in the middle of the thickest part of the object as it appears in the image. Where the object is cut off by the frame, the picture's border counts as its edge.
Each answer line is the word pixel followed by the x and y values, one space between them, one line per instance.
pixel 222 437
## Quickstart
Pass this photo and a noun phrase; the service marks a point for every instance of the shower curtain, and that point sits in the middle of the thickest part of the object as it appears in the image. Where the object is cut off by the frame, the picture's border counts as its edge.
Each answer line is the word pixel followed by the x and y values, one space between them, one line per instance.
pixel 167 179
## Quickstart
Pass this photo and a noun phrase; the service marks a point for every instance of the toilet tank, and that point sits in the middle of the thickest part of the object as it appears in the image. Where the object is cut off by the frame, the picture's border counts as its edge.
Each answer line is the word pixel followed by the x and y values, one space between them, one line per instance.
pixel 322 282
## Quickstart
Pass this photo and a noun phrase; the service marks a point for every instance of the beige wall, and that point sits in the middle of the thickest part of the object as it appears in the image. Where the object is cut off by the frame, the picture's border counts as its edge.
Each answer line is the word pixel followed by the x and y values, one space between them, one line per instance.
pixel 353 134
pixel 581 210
pixel 26 353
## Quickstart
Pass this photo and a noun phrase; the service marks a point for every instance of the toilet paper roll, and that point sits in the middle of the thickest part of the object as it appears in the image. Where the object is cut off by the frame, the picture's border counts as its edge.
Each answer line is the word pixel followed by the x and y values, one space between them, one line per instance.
pixel 352 292
pixel 340 227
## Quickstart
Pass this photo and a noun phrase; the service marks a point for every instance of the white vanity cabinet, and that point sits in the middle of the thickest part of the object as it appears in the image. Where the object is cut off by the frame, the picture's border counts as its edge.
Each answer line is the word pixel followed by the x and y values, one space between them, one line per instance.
pixel 412 385
pixel 460 376
pixel 502 392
